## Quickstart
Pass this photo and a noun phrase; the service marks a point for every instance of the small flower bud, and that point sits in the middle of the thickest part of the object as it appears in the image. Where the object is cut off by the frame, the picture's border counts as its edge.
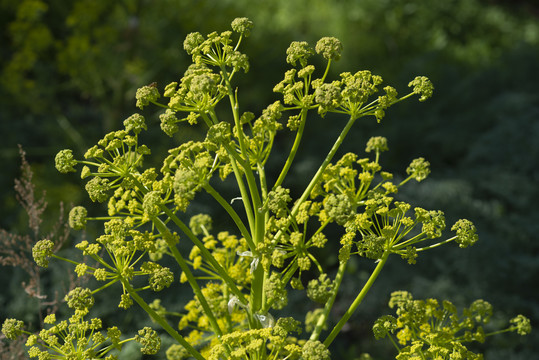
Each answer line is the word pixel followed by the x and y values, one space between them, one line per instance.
pixel 329 47
pixel 399 298
pixel 151 203
pixel 419 169
pixel 377 143
pixel 12 328
pixel 298 51
pixel 219 133
pixel 50 319
pixel 98 189
pixel 77 217
pixel 521 324
pixel 125 302
pixel 192 41
pixel 319 290
pixel 168 122
pixel 145 95
pixel 383 326
pixel 203 84
pixel 170 89
pixel 278 200
pixel 161 278
pixel 65 162
pixel 42 251
pixel 422 86
pixel 466 235
pixel 150 341
pixel 315 350
pixel 113 333
pixel 242 25
pixel 199 223
pixel 135 123
pixel 79 299
pixel 328 96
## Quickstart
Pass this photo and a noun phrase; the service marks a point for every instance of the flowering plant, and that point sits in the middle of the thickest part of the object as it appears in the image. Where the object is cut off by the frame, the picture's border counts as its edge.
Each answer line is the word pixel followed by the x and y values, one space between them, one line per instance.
pixel 240 278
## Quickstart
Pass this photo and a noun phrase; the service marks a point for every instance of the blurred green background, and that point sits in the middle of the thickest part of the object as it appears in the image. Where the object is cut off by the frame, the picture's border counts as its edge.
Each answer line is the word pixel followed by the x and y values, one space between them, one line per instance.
pixel 69 72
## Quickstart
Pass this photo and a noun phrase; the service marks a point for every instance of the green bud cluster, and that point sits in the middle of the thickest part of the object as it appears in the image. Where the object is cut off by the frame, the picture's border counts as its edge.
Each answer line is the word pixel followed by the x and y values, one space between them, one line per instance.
pixel 12 328
pixel 149 339
pixel 319 290
pixel 77 217
pixel 77 338
pixel 42 251
pixel 432 329
pixel 146 95
pixel 65 161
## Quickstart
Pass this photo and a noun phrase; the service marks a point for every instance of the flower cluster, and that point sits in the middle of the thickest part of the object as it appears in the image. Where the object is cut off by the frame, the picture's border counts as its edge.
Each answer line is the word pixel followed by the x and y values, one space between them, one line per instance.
pixel 77 217
pixel 150 341
pixel 77 338
pixel 349 95
pixel 42 251
pixel 239 345
pixel 433 329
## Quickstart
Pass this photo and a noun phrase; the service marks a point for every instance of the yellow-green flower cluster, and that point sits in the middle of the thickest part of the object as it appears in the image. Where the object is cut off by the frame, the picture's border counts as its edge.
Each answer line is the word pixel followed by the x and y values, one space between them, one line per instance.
pixel 42 251
pixel 75 338
pixel 432 329
pixel 239 345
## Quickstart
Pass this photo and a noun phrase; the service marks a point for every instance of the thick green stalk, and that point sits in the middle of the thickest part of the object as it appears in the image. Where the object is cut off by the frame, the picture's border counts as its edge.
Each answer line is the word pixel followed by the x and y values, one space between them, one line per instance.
pixel 235 217
pixel 162 322
pixel 206 254
pixel 251 182
pixel 249 211
pixel 235 158
pixel 235 110
pixel 190 278
pixel 257 287
pixel 357 300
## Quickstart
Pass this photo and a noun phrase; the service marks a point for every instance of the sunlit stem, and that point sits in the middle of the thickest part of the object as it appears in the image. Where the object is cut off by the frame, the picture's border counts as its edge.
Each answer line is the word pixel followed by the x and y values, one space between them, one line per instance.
pixel 294 149
pixel 161 227
pixel 327 70
pixel 322 167
pixel 255 197
pixel 405 181
pixel 436 245
pixel 393 342
pixel 235 217
pixel 357 301
pixel 205 253
pixel 162 322
pixel 249 212
pixel 329 304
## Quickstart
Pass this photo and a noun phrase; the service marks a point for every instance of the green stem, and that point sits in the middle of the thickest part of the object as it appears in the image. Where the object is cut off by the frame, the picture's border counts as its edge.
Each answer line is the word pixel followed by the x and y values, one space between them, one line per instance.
pixel 235 110
pixel 322 167
pixel 205 253
pixel 162 322
pixel 357 300
pixel 329 304
pixel 437 244
pixel 500 331
pixel 327 70
pixel 294 149
pixel 249 212
pixel 161 227
pixel 235 217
